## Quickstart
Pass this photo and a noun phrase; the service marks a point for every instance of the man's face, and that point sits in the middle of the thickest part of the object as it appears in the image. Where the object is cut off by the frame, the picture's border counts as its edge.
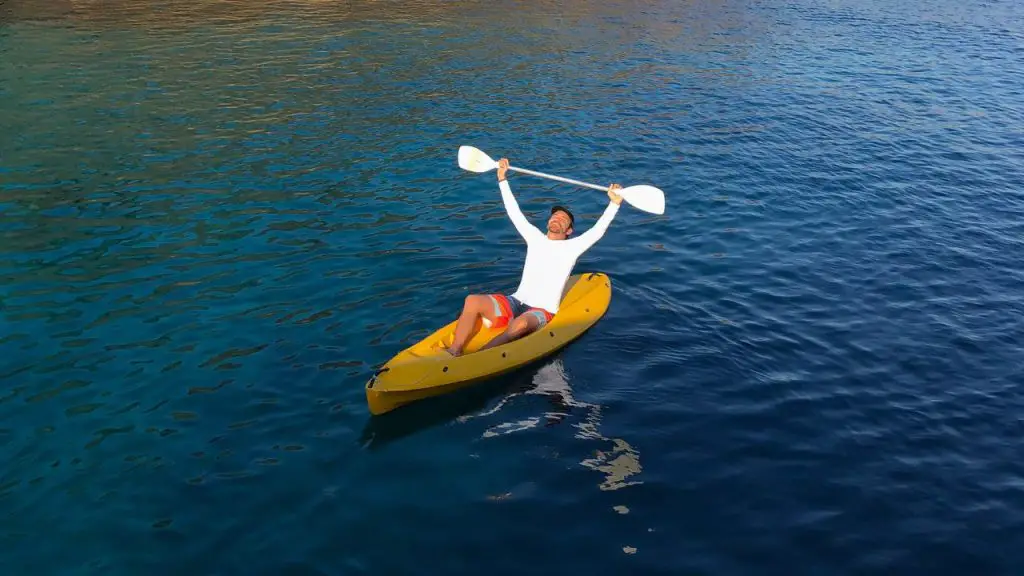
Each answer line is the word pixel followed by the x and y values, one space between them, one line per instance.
pixel 559 223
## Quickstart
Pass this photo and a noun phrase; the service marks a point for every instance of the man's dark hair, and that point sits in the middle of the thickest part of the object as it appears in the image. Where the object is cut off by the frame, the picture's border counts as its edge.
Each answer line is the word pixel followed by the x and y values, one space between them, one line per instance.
pixel 560 208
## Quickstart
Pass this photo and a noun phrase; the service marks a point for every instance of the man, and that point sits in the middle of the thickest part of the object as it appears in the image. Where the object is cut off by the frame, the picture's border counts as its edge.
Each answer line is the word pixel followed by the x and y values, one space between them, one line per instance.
pixel 550 259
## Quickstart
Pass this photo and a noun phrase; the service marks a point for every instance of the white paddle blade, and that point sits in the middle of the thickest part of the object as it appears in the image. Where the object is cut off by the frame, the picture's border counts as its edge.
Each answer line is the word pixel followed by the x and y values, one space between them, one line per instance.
pixel 646 198
pixel 475 160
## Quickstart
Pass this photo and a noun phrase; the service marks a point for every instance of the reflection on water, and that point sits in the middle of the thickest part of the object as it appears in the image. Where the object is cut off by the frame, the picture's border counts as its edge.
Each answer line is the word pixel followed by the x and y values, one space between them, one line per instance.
pixel 618 463
pixel 615 458
pixel 157 15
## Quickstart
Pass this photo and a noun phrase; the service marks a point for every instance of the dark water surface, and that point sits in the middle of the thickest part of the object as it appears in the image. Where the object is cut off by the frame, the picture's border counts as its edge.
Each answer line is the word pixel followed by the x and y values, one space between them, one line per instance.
pixel 217 217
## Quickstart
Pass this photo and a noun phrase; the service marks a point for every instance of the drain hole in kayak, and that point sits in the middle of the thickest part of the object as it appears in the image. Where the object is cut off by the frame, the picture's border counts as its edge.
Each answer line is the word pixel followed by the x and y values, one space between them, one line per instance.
pixel 503 354
pixel 552 334
pixel 445 369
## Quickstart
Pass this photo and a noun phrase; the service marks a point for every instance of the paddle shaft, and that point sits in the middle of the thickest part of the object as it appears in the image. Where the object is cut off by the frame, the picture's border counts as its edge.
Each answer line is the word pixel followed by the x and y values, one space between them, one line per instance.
pixel 559 178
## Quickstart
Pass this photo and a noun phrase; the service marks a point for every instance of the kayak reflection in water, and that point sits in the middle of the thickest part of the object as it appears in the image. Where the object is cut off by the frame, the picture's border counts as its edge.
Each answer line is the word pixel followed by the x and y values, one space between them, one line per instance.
pixel 550 259
pixel 618 461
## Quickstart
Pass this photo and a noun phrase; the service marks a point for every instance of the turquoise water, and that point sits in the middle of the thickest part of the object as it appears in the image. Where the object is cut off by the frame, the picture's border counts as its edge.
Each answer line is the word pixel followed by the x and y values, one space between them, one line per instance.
pixel 218 218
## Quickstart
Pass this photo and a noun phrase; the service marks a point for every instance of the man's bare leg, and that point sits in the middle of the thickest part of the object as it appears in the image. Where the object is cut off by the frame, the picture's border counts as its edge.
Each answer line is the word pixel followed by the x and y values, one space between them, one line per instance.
pixel 521 326
pixel 476 306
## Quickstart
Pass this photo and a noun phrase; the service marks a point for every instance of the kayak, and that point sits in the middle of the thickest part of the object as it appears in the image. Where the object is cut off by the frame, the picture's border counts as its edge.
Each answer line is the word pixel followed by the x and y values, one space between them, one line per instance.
pixel 426 369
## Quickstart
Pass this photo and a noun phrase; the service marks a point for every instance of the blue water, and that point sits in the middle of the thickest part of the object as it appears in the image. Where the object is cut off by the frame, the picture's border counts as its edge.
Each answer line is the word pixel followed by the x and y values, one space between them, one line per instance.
pixel 217 218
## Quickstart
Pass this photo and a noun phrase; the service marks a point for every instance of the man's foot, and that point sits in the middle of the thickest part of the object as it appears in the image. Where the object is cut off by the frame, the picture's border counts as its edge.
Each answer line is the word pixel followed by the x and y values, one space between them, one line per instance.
pixel 453 352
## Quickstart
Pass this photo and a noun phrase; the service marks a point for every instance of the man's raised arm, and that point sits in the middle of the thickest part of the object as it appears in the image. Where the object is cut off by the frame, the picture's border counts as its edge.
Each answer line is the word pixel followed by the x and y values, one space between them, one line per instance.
pixel 590 237
pixel 526 230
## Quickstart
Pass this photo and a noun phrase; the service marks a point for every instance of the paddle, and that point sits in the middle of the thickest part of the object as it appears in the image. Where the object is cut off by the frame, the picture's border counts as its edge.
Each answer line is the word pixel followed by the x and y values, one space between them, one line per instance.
pixel 646 198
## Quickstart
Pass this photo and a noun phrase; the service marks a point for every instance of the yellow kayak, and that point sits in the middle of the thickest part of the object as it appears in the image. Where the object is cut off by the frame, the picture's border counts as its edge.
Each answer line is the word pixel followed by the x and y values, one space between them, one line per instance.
pixel 426 369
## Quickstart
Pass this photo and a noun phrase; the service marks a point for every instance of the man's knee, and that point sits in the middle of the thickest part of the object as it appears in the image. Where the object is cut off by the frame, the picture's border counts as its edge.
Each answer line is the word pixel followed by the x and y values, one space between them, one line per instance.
pixel 475 302
pixel 522 326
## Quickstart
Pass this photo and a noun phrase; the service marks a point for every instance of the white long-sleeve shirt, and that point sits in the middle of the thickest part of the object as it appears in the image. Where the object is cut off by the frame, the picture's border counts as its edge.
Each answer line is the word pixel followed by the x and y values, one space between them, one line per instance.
pixel 549 263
